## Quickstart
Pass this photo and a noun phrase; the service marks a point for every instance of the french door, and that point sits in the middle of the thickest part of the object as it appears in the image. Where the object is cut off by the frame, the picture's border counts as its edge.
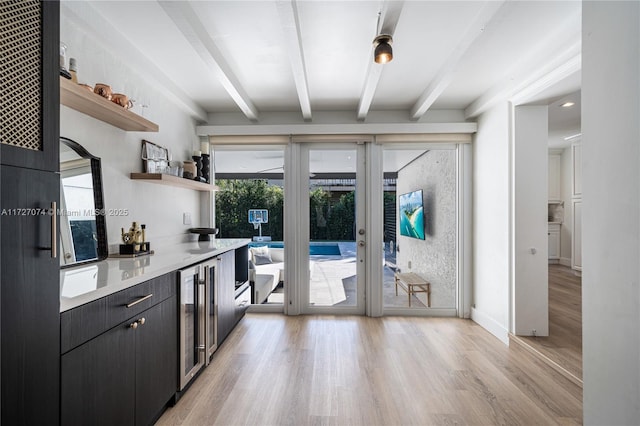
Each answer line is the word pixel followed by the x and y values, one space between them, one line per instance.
pixel 334 238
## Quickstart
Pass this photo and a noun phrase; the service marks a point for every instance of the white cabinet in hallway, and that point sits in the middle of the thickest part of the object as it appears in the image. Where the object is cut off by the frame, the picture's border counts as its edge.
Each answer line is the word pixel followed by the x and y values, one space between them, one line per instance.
pixel 576 159
pixel 576 258
pixel 555 172
pixel 576 206
pixel 554 242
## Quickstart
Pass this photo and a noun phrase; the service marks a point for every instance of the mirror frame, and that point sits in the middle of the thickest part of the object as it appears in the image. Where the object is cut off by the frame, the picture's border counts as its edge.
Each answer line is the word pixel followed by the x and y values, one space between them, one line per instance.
pixel 102 246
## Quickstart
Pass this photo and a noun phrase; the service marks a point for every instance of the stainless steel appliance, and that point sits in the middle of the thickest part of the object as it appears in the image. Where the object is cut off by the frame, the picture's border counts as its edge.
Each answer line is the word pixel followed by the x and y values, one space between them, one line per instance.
pixel 198 318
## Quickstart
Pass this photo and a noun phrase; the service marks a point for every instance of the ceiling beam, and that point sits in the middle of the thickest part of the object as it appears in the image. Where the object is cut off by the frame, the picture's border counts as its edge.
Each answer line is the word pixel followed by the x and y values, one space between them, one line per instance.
pixel 442 80
pixel 89 19
pixel 343 129
pixel 187 21
pixel 389 20
pixel 288 11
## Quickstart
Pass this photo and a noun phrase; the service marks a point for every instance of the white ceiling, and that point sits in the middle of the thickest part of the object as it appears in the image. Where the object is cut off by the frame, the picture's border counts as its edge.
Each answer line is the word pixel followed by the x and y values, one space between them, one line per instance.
pixel 250 59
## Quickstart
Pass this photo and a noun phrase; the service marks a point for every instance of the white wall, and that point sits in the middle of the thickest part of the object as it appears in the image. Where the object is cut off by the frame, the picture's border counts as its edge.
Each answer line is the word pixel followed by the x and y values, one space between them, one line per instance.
pixel 434 258
pixel 531 254
pixel 159 207
pixel 611 212
pixel 491 222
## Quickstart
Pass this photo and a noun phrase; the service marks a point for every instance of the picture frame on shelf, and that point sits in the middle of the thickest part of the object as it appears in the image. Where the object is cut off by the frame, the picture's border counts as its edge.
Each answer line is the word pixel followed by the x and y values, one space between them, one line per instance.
pixel 155 158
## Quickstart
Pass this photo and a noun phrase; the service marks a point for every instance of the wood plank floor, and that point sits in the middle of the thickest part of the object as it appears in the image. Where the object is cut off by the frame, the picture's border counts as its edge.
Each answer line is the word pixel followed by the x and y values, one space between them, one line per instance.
pixel 564 343
pixel 352 370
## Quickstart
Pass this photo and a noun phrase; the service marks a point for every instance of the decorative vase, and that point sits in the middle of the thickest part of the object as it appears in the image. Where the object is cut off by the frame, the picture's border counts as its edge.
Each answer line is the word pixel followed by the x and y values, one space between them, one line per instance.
pixel 205 167
pixel 189 170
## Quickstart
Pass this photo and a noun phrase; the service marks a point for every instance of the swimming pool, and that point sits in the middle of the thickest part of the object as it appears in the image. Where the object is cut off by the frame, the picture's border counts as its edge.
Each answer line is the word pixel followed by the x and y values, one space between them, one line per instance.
pixel 327 248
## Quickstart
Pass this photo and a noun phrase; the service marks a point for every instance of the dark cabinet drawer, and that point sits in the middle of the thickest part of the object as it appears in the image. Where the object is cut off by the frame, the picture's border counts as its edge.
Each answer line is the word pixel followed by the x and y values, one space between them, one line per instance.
pixel 124 376
pixel 83 323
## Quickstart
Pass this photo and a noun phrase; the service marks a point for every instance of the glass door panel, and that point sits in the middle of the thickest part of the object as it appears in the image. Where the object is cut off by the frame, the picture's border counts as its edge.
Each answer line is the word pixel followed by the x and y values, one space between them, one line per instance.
pixel 337 234
pixel 420 229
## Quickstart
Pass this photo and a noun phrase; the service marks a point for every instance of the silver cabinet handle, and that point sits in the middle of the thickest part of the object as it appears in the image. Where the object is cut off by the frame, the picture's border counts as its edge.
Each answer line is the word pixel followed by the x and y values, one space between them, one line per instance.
pixel 54 230
pixel 142 299
pixel 136 323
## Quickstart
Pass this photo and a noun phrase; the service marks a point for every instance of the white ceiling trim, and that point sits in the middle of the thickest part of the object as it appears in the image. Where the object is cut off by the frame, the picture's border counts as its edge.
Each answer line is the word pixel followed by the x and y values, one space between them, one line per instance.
pixel 93 23
pixel 389 20
pixel 187 21
pixel 566 64
pixel 423 137
pixel 266 142
pixel 444 77
pixel 565 70
pixel 288 12
pixel 336 129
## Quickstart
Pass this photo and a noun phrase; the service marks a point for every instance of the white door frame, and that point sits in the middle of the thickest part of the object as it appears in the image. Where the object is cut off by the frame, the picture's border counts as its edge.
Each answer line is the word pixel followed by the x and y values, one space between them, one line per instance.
pixel 300 252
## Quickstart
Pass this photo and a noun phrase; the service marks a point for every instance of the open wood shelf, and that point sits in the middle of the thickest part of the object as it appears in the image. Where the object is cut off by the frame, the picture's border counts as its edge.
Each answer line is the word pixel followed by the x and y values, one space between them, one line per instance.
pixel 79 98
pixel 173 181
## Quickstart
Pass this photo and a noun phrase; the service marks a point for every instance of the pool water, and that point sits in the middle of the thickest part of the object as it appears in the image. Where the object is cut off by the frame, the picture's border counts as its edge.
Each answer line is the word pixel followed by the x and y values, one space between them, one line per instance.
pixel 315 248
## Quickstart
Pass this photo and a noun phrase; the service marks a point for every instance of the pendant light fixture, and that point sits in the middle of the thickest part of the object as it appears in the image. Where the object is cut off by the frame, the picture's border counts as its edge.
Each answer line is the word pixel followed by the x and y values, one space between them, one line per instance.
pixel 383 53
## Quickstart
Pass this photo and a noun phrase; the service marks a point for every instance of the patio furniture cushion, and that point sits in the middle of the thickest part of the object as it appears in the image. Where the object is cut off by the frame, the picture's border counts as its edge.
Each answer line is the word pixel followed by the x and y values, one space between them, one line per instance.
pixel 275 269
pixel 261 255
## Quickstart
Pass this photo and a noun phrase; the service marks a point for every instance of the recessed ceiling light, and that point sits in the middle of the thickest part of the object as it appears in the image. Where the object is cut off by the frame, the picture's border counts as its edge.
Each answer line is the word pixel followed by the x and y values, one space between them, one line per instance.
pixel 568 104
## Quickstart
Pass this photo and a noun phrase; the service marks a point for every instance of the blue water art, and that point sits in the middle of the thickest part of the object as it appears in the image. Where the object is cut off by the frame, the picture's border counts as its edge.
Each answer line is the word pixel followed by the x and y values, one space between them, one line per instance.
pixel 411 211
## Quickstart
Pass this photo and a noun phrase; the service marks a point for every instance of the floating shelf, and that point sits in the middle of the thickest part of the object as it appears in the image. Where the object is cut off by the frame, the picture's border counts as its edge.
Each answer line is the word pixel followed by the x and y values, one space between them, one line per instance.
pixel 173 181
pixel 79 98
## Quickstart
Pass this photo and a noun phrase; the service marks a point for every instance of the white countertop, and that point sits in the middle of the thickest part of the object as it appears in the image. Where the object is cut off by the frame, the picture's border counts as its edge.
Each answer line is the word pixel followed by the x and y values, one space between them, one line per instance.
pixel 84 284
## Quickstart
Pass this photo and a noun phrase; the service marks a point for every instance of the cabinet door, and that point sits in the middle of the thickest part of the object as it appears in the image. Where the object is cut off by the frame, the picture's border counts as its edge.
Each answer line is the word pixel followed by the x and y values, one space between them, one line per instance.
pixel 554 177
pixel 576 240
pixel 226 294
pixel 242 302
pixel 576 178
pixel 156 360
pixel 98 380
pixel 30 297
pixel 554 245
pixel 29 129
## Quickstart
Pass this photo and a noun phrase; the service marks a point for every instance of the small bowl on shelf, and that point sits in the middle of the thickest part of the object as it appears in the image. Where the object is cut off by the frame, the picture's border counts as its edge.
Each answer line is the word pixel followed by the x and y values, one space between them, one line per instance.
pixel 204 233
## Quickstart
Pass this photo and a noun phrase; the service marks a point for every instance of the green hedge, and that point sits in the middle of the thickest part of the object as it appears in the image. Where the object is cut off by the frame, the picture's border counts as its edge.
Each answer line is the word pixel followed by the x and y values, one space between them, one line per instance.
pixel 330 218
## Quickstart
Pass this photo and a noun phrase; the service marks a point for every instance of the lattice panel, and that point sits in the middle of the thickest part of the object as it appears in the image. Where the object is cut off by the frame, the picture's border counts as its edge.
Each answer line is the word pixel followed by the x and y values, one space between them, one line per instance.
pixel 21 74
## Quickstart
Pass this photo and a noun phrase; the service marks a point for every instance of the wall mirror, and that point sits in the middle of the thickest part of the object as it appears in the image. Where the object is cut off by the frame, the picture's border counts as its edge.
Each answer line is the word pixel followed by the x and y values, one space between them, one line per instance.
pixel 83 233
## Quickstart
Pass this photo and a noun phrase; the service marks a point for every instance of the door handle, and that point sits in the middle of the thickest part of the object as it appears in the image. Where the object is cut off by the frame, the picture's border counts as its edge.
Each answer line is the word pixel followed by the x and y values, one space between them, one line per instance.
pixel 361 243
pixel 54 230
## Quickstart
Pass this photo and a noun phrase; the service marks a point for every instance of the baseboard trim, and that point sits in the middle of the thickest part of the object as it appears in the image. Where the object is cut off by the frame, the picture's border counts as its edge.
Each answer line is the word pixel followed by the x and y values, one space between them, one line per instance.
pixel 522 344
pixel 491 325
pixel 565 261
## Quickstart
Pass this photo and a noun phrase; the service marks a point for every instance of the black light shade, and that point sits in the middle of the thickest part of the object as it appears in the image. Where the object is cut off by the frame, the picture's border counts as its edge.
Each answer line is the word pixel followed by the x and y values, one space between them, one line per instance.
pixel 383 52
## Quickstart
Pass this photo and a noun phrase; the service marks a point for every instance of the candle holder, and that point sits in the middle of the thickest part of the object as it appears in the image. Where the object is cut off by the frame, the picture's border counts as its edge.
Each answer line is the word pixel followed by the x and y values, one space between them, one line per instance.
pixel 198 160
pixel 205 167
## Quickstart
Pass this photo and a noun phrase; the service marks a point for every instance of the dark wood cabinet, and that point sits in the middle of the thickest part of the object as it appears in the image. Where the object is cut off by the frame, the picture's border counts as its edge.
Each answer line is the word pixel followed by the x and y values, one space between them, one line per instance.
pixel 226 294
pixel 127 373
pixel 233 297
pixel 156 360
pixel 98 380
pixel 29 275
pixel 30 302
pixel 30 71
